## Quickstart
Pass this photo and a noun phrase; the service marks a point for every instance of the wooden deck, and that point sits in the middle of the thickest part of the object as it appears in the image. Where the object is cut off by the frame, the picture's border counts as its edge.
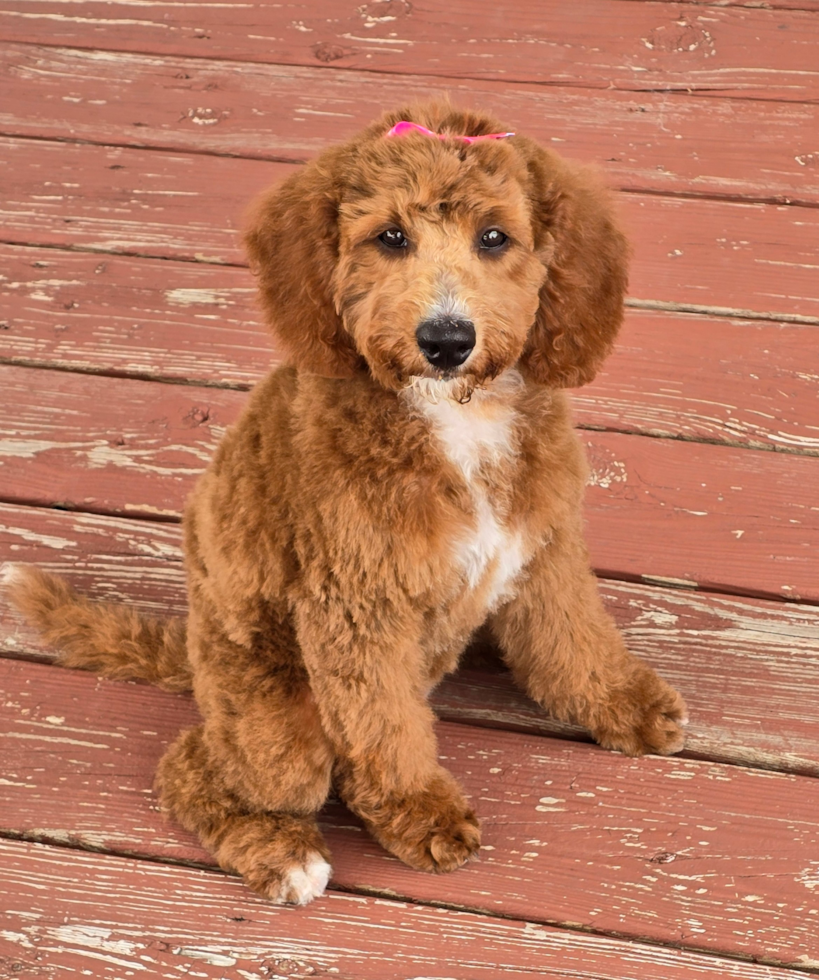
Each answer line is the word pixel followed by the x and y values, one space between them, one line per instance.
pixel 132 134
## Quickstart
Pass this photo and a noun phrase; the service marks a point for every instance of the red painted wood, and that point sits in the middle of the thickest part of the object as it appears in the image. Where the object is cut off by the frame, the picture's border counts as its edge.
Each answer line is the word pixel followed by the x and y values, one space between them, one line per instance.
pixel 750 257
pixel 735 381
pixel 748 669
pixel 807 5
pixel 716 516
pixel 139 445
pixel 736 51
pixel 112 200
pixel 726 519
pixel 746 257
pixel 662 849
pixel 750 383
pixel 107 558
pixel 145 317
pixel 644 142
pixel 71 910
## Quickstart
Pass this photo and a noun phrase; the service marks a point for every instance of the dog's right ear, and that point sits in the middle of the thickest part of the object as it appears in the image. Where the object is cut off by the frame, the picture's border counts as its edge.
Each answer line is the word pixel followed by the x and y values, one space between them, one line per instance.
pixel 292 242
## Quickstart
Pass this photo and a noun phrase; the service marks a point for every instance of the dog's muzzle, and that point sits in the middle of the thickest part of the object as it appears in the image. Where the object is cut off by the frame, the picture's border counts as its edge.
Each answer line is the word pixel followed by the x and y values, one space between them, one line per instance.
pixel 446 342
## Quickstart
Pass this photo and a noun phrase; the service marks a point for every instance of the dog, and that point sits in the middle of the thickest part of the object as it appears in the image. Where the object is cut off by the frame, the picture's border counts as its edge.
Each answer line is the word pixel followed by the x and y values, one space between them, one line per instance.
pixel 410 475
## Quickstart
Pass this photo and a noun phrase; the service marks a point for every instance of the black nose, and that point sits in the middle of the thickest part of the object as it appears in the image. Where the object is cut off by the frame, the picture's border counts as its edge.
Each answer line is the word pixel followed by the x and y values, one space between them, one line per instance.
pixel 446 342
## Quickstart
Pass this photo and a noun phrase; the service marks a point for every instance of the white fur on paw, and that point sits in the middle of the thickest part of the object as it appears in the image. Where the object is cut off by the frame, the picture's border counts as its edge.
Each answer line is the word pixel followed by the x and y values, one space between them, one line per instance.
pixel 10 573
pixel 302 883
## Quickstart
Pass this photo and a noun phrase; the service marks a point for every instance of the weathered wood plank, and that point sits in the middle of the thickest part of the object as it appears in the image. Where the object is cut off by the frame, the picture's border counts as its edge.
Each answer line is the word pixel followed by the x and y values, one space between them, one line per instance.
pixel 808 5
pixel 69 911
pixel 109 558
pixel 748 669
pixel 738 519
pixel 715 516
pixel 183 321
pixel 750 257
pixel 142 455
pixel 113 200
pixel 188 321
pixel 750 383
pixel 735 51
pixel 662 849
pixel 644 142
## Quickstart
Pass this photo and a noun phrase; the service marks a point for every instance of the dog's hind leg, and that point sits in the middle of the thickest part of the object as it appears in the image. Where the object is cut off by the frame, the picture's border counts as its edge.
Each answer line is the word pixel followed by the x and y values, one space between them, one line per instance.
pixel 280 855
pixel 250 780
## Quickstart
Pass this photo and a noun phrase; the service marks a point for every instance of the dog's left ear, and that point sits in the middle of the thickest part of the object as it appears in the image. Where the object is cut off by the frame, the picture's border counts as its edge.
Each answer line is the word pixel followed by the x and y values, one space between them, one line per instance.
pixel 292 242
pixel 586 257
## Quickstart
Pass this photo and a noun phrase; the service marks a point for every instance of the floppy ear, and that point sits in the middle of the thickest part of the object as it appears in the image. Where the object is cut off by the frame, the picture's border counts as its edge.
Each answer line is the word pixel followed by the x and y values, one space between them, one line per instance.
pixel 586 256
pixel 292 241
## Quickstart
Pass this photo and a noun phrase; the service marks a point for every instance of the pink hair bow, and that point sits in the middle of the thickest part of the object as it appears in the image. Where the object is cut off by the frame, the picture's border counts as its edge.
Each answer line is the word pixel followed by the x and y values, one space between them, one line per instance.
pixel 404 127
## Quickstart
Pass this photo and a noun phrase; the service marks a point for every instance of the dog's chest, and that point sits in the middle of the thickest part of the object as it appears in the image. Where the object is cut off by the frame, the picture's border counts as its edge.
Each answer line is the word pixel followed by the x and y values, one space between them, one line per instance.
pixel 480 443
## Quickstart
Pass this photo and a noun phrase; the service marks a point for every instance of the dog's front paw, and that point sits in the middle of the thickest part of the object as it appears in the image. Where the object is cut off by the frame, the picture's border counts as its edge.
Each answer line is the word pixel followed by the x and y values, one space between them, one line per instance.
pixel 643 715
pixel 433 830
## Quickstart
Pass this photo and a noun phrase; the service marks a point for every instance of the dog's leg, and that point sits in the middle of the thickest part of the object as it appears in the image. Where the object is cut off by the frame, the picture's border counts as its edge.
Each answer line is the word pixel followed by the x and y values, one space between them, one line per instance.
pixel 281 855
pixel 567 653
pixel 370 693
pixel 250 780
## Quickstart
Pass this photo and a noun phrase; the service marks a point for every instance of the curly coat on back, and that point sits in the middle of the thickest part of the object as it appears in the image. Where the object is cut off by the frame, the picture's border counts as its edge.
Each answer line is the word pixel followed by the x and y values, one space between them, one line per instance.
pixel 410 475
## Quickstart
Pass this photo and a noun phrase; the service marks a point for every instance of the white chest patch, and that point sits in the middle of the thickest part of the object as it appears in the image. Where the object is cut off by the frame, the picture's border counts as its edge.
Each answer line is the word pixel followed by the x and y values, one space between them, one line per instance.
pixel 490 556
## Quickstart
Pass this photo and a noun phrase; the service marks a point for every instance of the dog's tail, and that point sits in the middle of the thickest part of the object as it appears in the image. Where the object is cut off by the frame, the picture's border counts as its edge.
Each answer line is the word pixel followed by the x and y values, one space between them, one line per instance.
pixel 110 639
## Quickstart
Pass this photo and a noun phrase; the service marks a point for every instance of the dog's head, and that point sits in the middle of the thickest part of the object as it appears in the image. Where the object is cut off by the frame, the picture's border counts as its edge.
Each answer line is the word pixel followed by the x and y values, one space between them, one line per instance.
pixel 414 256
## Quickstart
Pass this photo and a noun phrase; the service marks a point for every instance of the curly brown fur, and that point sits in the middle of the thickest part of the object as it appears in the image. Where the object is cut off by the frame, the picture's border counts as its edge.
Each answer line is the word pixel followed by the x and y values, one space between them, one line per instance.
pixel 373 507
pixel 110 639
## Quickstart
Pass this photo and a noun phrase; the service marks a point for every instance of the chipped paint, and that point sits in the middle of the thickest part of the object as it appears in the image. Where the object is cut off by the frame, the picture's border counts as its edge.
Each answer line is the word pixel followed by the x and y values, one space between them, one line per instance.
pixel 35 537
pixel 606 472
pixel 208 297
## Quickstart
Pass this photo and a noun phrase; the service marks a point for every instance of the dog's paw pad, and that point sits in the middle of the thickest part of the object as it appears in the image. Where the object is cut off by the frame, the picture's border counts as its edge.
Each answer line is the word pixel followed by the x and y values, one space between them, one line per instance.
pixel 296 884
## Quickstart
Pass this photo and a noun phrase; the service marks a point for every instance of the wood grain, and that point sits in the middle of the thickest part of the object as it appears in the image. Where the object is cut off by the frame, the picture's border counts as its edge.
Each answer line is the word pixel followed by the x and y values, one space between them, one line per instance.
pixel 732 520
pixel 107 558
pixel 756 258
pixel 181 321
pixel 662 849
pixel 748 669
pixel 714 516
pixel 699 113
pixel 106 444
pixel 671 374
pixel 647 141
pixel 732 51
pixel 72 911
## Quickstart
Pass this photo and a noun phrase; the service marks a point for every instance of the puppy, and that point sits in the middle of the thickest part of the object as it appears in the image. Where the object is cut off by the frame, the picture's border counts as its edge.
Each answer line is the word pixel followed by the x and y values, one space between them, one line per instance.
pixel 409 475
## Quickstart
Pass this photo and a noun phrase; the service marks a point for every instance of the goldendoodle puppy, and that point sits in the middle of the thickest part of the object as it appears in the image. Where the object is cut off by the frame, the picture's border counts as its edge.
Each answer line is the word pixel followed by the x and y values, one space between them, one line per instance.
pixel 409 475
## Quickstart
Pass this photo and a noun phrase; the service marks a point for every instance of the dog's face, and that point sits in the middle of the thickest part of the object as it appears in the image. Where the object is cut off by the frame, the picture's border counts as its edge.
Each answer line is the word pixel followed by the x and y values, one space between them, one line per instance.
pixel 437 275
pixel 418 257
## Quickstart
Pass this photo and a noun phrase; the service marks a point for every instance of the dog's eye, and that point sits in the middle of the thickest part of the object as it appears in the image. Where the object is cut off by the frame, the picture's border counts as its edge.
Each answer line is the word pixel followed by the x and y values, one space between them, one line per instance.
pixel 493 238
pixel 393 238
